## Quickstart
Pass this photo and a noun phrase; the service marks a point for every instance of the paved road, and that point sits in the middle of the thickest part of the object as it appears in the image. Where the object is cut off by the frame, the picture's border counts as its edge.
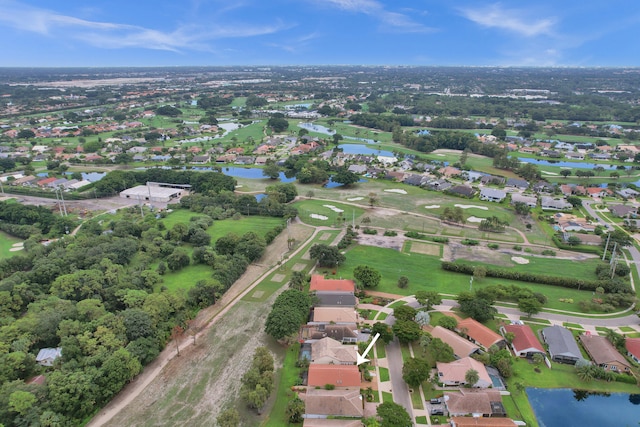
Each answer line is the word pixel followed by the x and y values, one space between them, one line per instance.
pixel 394 360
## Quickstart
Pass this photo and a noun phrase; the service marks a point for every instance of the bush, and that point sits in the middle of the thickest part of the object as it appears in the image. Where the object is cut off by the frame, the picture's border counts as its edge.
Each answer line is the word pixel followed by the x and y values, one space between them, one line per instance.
pixel 470 242
pixel 493 246
pixel 548 252
pixel 624 378
pixel 368 230
pixel 517 248
pixel 390 233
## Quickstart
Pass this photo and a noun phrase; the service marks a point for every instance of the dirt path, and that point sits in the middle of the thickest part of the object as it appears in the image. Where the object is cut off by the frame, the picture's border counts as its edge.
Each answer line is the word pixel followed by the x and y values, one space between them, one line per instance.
pixel 167 382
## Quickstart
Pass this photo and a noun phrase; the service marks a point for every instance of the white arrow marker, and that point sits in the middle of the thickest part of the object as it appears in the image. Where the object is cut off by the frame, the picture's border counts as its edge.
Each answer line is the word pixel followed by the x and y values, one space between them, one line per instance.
pixel 363 358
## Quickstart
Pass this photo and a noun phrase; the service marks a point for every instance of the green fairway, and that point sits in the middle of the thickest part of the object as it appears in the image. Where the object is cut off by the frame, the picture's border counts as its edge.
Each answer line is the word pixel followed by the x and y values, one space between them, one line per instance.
pixel 424 273
pixel 7 242
pixel 254 131
pixel 258 224
pixel 185 278
pixel 584 269
pixel 328 210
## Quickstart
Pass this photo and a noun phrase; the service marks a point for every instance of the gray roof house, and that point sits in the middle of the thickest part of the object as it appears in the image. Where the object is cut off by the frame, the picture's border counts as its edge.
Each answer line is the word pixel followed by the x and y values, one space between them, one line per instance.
pixel 46 356
pixel 530 201
pixel 359 169
pixel 492 195
pixel 517 183
pixel 623 210
pixel 462 190
pixel 627 193
pixel 562 345
pixel 335 299
pixel 549 203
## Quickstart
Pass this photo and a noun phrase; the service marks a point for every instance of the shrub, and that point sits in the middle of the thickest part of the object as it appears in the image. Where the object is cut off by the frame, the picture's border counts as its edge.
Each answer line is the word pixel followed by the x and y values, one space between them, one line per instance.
pixel 368 230
pixel 390 233
pixel 329 386
pixel 470 242
pixel 517 248
pixel 493 246
pixel 548 252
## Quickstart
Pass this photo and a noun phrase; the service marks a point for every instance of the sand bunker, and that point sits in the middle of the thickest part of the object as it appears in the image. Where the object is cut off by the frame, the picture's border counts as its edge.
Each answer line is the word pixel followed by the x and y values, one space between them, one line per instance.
pixel 475 219
pixel 441 155
pixel 396 190
pixel 484 208
pixel 432 206
pixel 320 217
pixel 519 260
pixel 333 208
pixel 355 199
pixel 15 249
pixel 549 173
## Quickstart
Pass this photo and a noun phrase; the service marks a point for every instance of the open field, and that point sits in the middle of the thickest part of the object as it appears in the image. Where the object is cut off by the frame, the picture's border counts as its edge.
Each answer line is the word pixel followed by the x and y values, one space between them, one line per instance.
pixel 7 242
pixel 328 210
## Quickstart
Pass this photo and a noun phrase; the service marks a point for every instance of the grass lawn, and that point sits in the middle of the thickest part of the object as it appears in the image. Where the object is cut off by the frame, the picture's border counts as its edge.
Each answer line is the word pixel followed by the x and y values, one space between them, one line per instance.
pixel 384 374
pixel 288 376
pixel 381 316
pixel 258 224
pixel 397 304
pixel 572 325
pixel 381 352
pixel 254 130
pixel 626 329
pixel 387 397
pixel 416 399
pixel 319 207
pixel 406 353
pixel 421 419
pixel 6 242
pixel 424 273
pixel 185 278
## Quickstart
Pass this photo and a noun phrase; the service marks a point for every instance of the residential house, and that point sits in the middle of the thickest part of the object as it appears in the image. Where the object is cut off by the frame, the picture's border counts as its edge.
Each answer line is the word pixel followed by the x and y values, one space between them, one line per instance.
pixel 453 373
pixel 544 187
pixel 462 190
pixel 549 203
pixel 26 180
pixel 386 160
pixel 330 422
pixel 482 422
pixel 491 179
pixel 492 195
pixel 623 211
pixel 461 347
pixel 449 171
pixel 320 403
pixel 415 179
pixel 568 222
pixel 47 356
pixel 525 343
pixel 472 175
pixel 627 193
pixel 227 158
pixel 531 201
pixel 438 185
pixel 139 158
pixel 328 351
pixel 574 156
pixel 562 345
pixel 394 176
pixel 358 169
pixel 337 315
pixel 603 353
pixel 479 334
pixel 597 192
pixel 245 160
pixel 335 299
pixel 633 348
pixel 319 283
pixel 520 184
pixel 45 182
pixel 336 375
pixel 477 403
pixel 342 333
pixel 201 160
pixel 566 190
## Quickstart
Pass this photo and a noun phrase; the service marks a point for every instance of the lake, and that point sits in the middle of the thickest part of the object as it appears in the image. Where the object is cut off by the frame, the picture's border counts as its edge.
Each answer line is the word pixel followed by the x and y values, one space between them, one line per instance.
pixel 364 150
pixel 576 408
pixel 251 173
pixel 565 164
pixel 325 130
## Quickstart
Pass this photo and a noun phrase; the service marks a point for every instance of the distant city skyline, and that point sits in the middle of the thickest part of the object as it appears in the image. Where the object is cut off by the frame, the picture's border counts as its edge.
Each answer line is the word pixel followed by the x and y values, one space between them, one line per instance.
pixel 586 33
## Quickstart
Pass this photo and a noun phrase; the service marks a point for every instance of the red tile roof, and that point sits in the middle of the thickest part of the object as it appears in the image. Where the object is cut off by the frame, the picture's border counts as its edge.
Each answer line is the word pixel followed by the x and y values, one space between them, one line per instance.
pixel 524 337
pixel 633 346
pixel 479 333
pixel 319 283
pixel 338 375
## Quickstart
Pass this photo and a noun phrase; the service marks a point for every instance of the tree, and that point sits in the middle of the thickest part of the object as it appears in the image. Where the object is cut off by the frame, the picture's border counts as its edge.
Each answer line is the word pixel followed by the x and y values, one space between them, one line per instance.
pixel 337 138
pixel 620 237
pixel 575 201
pixel 271 170
pixel 229 418
pixel 479 272
pixel 295 410
pixel 393 415
pixel 178 259
pixel 404 312
pixel 326 256
pixel 614 174
pixel 386 334
pixel 403 282
pixel 574 241
pixel 428 299
pixel 448 322
pixel 530 306
pixel 406 330
pixel 522 208
pixel 372 199
pixel 440 351
pixel 26 134
pixel 345 177
pixel 423 318
pixel 298 280
pixel 471 377
pixel 477 308
pixel 415 371
pixel 278 124
pixel 366 276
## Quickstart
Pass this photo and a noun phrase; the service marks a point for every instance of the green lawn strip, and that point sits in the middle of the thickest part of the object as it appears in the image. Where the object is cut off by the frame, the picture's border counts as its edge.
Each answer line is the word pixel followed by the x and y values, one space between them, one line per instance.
pixel 384 374
pixel 416 399
pixel 6 243
pixel 287 376
pixel 397 304
pixel 381 351
pixel 633 335
pixel 626 329
pixel 368 314
pixel 601 329
pixel 386 397
pixel 518 408
pixel 186 277
pixel 392 264
pixel 535 320
pixel 406 353
pixel 572 325
pixel 421 419
pixel 381 316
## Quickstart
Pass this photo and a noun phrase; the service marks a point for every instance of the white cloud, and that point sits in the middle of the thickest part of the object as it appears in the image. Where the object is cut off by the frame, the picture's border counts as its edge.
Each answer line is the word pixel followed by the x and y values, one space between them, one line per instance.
pixel 115 35
pixel 390 21
pixel 518 21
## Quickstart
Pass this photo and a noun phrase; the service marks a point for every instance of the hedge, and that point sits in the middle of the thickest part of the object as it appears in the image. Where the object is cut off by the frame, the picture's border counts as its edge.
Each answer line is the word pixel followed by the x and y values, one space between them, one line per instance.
pixel 416 235
pixel 565 282
pixel 579 248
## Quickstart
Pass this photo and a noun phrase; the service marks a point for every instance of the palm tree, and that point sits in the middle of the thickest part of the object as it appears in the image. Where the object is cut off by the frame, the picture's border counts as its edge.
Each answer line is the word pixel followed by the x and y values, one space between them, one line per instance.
pixel 585 373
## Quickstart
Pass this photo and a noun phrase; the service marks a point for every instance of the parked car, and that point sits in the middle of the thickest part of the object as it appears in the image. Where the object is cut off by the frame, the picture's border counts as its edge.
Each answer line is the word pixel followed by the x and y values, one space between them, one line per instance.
pixel 435 401
pixel 437 411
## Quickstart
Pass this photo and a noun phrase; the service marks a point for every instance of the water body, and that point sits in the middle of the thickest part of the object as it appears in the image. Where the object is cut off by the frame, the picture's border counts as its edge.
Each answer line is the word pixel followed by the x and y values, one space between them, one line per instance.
pixel 564 164
pixel 363 149
pixel 251 173
pixel 575 408
pixel 332 184
pixel 325 130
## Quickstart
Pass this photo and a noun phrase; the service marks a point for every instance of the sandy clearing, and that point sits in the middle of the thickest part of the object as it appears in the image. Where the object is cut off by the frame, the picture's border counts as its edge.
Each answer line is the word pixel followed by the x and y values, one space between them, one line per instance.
pixel 395 190
pixel 425 248
pixel 333 208
pixel 320 217
pixel 355 199
pixel 432 206
pixel 484 208
pixel 519 260
pixel 475 219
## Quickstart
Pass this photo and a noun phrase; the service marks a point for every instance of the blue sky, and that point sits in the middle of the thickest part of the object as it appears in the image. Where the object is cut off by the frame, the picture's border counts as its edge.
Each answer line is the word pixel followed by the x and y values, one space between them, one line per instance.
pixel 292 32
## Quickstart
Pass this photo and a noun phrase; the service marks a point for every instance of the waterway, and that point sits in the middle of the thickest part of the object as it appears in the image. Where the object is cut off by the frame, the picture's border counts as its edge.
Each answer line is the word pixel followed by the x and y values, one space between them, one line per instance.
pixel 326 131
pixel 576 408
pixel 565 164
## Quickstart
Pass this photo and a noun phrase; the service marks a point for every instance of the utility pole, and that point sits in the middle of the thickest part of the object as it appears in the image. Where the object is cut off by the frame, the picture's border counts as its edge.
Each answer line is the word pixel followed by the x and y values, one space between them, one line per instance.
pixel 1 187
pixel 470 283
pixel 139 203
pixel 59 203
pixel 606 246
pixel 64 206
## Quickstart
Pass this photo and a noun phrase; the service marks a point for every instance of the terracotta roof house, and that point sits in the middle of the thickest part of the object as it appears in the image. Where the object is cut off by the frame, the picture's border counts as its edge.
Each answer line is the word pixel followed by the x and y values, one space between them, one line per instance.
pixel 525 343
pixel 45 182
pixel 330 422
pixel 482 422
pixel 453 373
pixel 603 353
pixel 337 375
pixel 335 315
pixel 337 403
pixel 477 403
pixel 328 351
pixel 633 348
pixel 319 283
pixel 567 190
pixel 461 347
pixel 480 334
pixel 449 171
pixel 562 345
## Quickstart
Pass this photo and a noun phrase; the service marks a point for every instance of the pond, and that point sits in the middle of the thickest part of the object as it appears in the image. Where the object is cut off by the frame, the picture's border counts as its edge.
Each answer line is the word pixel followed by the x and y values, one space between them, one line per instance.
pixel 332 184
pixel 565 164
pixel 568 408
pixel 364 150
pixel 251 173
pixel 325 130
